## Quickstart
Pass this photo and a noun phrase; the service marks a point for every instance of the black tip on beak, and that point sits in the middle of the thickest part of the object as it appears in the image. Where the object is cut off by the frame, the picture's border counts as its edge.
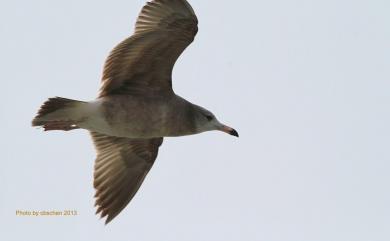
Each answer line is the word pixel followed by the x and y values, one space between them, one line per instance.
pixel 233 132
pixel 228 130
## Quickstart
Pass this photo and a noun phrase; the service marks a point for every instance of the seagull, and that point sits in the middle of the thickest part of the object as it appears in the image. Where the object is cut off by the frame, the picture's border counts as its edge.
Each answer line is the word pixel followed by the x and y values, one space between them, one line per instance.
pixel 136 106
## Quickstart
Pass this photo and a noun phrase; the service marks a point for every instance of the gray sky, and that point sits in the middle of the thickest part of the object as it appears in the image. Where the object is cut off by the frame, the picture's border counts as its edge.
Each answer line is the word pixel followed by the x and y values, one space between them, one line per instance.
pixel 305 83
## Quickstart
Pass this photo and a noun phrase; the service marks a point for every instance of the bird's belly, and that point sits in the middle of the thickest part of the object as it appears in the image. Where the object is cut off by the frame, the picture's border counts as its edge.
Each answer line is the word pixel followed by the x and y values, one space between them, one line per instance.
pixel 127 118
pixel 134 128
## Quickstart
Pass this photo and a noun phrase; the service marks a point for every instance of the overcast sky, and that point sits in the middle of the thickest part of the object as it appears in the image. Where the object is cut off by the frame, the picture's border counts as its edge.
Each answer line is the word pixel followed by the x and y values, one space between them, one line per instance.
pixel 305 83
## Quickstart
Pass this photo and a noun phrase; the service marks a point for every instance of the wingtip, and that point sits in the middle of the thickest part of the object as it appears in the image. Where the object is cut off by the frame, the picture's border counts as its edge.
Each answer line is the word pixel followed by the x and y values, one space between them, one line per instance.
pixel 108 220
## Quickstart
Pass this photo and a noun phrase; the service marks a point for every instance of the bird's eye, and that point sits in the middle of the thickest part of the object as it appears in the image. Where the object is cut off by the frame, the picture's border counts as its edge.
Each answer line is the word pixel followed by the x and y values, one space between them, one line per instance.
pixel 209 117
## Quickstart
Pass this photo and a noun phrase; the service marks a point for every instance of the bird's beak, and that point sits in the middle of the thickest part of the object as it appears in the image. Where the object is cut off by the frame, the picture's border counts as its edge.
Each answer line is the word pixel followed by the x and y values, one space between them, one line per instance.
pixel 229 130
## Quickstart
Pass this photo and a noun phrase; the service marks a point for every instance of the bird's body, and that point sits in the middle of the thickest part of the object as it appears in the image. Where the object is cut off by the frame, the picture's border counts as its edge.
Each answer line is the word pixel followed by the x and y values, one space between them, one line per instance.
pixel 136 106
pixel 137 117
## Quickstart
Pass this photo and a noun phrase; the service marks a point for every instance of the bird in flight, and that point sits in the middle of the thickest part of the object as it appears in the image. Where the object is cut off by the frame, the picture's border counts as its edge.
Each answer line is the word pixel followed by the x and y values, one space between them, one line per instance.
pixel 136 106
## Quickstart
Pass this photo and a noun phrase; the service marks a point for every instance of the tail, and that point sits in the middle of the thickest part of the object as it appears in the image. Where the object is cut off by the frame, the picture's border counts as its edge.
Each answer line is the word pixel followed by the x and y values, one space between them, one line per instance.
pixel 59 114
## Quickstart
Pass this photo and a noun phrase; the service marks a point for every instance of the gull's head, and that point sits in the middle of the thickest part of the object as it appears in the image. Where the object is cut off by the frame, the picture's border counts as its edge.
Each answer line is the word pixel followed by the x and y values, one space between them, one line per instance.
pixel 206 121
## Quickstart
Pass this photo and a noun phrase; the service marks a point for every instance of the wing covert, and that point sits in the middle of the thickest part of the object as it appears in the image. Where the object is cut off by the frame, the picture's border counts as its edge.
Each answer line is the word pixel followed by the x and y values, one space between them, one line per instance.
pixel 142 64
pixel 121 166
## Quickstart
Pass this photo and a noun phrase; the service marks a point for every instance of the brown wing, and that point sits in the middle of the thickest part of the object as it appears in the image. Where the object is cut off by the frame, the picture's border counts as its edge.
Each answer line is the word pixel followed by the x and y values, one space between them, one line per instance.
pixel 143 63
pixel 120 168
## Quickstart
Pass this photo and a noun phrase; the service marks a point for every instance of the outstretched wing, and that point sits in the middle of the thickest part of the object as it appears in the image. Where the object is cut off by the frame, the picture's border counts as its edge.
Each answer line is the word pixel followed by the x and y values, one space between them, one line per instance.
pixel 120 168
pixel 142 64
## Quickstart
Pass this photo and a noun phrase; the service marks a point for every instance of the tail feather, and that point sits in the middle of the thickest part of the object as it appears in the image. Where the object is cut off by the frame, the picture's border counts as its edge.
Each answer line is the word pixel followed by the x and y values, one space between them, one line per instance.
pixel 56 114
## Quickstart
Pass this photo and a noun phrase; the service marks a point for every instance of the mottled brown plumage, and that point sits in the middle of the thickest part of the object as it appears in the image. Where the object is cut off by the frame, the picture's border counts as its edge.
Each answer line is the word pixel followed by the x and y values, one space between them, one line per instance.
pixel 143 63
pixel 136 106
pixel 120 168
